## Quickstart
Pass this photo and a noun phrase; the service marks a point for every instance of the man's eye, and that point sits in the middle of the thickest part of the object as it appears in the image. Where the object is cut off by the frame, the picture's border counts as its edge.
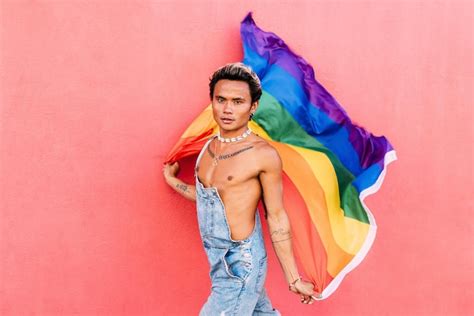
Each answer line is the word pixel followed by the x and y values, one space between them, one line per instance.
pixel 220 100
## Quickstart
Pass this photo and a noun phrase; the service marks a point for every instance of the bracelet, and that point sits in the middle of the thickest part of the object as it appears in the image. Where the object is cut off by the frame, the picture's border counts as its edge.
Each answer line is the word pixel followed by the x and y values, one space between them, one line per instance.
pixel 294 282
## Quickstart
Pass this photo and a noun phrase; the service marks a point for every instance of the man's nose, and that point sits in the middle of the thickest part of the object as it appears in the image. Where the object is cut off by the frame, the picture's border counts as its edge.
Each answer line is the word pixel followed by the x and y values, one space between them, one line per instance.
pixel 228 107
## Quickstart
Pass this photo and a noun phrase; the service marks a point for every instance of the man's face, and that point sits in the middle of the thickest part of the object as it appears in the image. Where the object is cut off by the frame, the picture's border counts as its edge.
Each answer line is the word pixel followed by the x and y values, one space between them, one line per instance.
pixel 232 101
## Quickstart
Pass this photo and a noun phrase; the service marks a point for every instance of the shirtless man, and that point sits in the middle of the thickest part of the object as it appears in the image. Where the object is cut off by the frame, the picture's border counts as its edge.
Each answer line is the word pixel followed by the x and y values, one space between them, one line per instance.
pixel 233 171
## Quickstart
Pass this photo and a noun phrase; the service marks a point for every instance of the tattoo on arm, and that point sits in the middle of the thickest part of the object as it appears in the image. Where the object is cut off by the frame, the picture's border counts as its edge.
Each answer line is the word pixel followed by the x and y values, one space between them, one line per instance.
pixel 274 241
pixel 280 235
pixel 279 232
pixel 182 187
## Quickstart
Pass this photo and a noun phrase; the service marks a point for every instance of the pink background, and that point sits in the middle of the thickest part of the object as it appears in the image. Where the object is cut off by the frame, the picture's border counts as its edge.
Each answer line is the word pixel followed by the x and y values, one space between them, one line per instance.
pixel 95 93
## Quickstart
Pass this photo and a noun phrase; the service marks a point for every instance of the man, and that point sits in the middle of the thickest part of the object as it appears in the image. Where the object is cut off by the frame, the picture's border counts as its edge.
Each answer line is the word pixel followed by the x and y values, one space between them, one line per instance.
pixel 233 171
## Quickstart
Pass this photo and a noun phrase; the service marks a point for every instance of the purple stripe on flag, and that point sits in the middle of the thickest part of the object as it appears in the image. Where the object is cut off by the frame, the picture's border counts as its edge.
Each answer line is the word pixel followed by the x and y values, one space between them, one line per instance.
pixel 273 49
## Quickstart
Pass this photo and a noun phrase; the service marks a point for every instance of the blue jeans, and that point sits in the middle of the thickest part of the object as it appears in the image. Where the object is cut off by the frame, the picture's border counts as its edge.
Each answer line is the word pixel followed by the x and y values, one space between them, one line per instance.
pixel 238 268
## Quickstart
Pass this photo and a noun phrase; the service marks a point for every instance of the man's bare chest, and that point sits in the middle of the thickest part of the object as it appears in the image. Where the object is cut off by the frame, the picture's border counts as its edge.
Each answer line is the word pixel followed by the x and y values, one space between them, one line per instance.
pixel 233 168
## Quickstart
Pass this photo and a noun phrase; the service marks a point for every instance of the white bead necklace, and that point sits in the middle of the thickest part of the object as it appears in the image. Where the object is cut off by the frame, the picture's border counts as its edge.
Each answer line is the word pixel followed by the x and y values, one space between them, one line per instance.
pixel 234 139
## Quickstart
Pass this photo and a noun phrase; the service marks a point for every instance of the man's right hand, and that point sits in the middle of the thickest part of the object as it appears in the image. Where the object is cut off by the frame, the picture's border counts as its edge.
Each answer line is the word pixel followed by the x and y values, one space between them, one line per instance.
pixel 170 170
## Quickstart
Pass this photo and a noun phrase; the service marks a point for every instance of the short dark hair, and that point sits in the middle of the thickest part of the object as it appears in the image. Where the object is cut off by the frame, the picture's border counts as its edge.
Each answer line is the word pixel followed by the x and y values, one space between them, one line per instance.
pixel 239 72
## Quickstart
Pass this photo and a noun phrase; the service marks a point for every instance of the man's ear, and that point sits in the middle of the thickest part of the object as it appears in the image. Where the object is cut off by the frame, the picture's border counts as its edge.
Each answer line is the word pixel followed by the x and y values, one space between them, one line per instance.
pixel 254 106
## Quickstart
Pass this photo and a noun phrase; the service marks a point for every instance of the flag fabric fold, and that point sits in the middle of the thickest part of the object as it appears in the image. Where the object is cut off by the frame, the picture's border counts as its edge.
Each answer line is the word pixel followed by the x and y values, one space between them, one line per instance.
pixel 331 162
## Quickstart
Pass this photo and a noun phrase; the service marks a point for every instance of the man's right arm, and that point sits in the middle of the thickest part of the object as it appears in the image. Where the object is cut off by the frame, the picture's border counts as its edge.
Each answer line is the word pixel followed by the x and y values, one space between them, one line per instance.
pixel 186 190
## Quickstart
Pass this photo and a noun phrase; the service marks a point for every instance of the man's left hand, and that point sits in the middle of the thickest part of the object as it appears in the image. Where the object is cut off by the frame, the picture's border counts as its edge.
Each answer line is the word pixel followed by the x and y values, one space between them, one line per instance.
pixel 305 290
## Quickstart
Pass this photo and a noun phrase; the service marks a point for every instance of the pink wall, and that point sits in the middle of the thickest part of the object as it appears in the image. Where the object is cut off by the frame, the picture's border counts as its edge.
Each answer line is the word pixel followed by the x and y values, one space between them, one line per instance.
pixel 95 93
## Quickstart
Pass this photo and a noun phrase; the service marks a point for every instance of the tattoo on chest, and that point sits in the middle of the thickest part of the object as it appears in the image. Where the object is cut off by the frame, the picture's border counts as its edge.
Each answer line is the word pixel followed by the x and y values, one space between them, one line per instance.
pixel 226 156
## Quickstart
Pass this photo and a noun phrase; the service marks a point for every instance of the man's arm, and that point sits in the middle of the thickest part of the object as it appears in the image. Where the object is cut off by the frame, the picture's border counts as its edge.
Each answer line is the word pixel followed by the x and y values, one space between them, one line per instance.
pixel 186 190
pixel 278 222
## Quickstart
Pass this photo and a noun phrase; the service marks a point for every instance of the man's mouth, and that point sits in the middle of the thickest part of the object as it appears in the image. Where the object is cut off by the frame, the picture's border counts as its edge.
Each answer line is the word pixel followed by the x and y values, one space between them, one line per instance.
pixel 226 120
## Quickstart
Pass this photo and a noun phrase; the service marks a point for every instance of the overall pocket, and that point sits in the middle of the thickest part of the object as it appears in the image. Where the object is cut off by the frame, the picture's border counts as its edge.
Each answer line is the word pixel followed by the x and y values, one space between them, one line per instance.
pixel 238 262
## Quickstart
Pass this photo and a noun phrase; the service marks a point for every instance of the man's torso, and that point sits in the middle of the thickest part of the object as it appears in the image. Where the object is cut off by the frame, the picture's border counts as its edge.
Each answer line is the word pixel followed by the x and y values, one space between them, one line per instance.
pixel 236 179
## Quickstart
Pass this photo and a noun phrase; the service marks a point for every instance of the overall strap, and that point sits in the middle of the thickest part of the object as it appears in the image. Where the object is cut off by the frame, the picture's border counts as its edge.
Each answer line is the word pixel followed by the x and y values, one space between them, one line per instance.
pixel 202 151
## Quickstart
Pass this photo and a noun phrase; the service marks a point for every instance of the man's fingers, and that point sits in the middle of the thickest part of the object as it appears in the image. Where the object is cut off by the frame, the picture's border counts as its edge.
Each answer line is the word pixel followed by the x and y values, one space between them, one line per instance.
pixel 306 299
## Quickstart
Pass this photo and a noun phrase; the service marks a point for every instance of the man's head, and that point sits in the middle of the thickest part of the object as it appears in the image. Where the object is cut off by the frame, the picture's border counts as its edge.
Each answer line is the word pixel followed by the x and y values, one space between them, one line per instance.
pixel 235 91
pixel 237 72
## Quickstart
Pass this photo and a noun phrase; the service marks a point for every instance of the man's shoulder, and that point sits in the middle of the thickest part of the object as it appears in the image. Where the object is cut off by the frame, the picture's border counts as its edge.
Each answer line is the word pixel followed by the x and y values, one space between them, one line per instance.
pixel 267 154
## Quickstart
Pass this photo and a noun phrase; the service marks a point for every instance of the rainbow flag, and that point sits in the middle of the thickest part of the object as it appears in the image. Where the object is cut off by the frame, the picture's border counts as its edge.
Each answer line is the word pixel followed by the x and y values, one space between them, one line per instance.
pixel 332 163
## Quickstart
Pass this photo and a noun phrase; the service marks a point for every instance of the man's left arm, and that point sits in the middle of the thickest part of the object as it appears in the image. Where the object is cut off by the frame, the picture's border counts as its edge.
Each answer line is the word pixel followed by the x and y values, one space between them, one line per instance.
pixel 279 224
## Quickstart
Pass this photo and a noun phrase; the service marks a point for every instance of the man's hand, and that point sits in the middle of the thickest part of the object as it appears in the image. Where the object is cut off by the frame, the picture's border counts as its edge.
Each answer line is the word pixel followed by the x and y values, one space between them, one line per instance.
pixel 305 289
pixel 170 170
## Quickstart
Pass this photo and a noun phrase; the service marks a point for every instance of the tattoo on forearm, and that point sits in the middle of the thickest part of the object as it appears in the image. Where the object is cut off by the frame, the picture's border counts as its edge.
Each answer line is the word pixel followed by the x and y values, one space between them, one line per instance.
pixel 280 235
pixel 279 232
pixel 274 241
pixel 182 187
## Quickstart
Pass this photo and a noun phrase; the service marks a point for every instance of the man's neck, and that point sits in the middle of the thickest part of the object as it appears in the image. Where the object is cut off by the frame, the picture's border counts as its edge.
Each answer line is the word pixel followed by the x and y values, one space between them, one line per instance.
pixel 233 133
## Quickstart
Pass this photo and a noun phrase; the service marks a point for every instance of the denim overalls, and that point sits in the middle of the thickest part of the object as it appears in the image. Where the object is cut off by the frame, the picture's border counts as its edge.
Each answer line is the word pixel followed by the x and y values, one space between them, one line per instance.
pixel 238 268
